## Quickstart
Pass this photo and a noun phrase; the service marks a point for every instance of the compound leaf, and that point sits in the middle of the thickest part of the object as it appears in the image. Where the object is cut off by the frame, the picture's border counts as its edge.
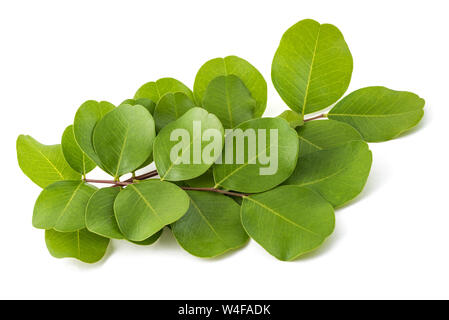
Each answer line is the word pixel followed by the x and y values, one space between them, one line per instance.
pixel 337 174
pixel 62 205
pixel 82 245
pixel 43 164
pixel 100 217
pixel 170 108
pixel 155 90
pixel 239 67
pixel 324 134
pixel 123 139
pixel 192 155
pixel 260 162
pixel 312 66
pixel 86 119
pixel 73 154
pixel 211 226
pixel 378 113
pixel 144 208
pixel 288 221
pixel 228 98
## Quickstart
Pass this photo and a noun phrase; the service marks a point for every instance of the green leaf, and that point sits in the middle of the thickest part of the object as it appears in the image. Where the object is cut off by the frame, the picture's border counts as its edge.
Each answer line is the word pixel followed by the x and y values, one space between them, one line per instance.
pixel 86 118
pixel 82 245
pixel 62 205
pixel 189 162
pixel 100 217
pixel 378 113
pixel 123 139
pixel 338 174
pixel 144 208
pixel 41 163
pixel 144 102
pixel 228 98
pixel 312 66
pixel 149 241
pixel 324 134
pixel 293 118
pixel 288 221
pixel 281 153
pixel 170 108
pixel 239 67
pixel 211 226
pixel 156 90
pixel 73 154
pixel 206 180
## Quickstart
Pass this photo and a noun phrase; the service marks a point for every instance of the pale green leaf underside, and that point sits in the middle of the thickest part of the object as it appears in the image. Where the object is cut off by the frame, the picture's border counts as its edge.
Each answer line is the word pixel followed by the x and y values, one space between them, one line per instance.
pixel 43 164
pixel 312 66
pixel 324 134
pixel 144 208
pixel 82 245
pixel 379 113
pixel 62 205
pixel 155 90
pixel 228 98
pixel 170 108
pixel 337 174
pixel 100 217
pixel 193 146
pixel 211 226
pixel 239 67
pixel 288 221
pixel 246 176
pixel 73 154
pixel 123 139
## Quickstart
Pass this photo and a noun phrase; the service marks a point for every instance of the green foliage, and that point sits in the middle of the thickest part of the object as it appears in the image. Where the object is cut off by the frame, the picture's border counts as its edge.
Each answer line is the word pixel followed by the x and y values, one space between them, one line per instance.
pixel 239 67
pixel 154 204
pixel 170 108
pixel 246 176
pixel 41 163
pixel 211 226
pixel 312 67
pixel 61 206
pixel 123 139
pixel 288 221
pixel 73 154
pixel 155 90
pixel 378 113
pixel 279 185
pixel 82 245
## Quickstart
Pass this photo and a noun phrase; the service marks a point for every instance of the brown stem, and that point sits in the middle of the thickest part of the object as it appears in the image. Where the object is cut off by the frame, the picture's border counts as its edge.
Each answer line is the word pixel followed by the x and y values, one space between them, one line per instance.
pixel 116 183
pixel 314 118
pixel 229 193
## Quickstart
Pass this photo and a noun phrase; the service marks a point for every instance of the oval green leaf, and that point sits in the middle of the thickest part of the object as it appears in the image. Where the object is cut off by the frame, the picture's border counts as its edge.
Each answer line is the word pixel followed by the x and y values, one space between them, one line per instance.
pixel 86 119
pixel 155 90
pixel 144 102
pixel 324 134
pixel 82 245
pixel 149 241
pixel 228 98
pixel 100 217
pixel 211 226
pixel 337 174
pixel 73 154
pixel 239 67
pixel 170 108
pixel 43 164
pixel 193 154
pixel 62 205
pixel 123 139
pixel 265 160
pixel 378 113
pixel 144 208
pixel 312 66
pixel 288 221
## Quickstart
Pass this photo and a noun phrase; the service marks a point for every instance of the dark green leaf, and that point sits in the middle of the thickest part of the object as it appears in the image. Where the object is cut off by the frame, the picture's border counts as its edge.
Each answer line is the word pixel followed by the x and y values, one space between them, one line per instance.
pixel 149 241
pixel 144 102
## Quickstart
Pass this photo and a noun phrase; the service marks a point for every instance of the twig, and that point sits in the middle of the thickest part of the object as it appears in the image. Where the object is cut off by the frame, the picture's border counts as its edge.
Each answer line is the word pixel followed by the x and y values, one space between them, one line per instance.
pixel 115 183
pixel 229 193
pixel 317 117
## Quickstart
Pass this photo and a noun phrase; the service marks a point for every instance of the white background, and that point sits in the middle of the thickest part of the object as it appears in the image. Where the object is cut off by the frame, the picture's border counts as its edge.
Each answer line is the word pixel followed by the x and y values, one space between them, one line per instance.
pixel 391 242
